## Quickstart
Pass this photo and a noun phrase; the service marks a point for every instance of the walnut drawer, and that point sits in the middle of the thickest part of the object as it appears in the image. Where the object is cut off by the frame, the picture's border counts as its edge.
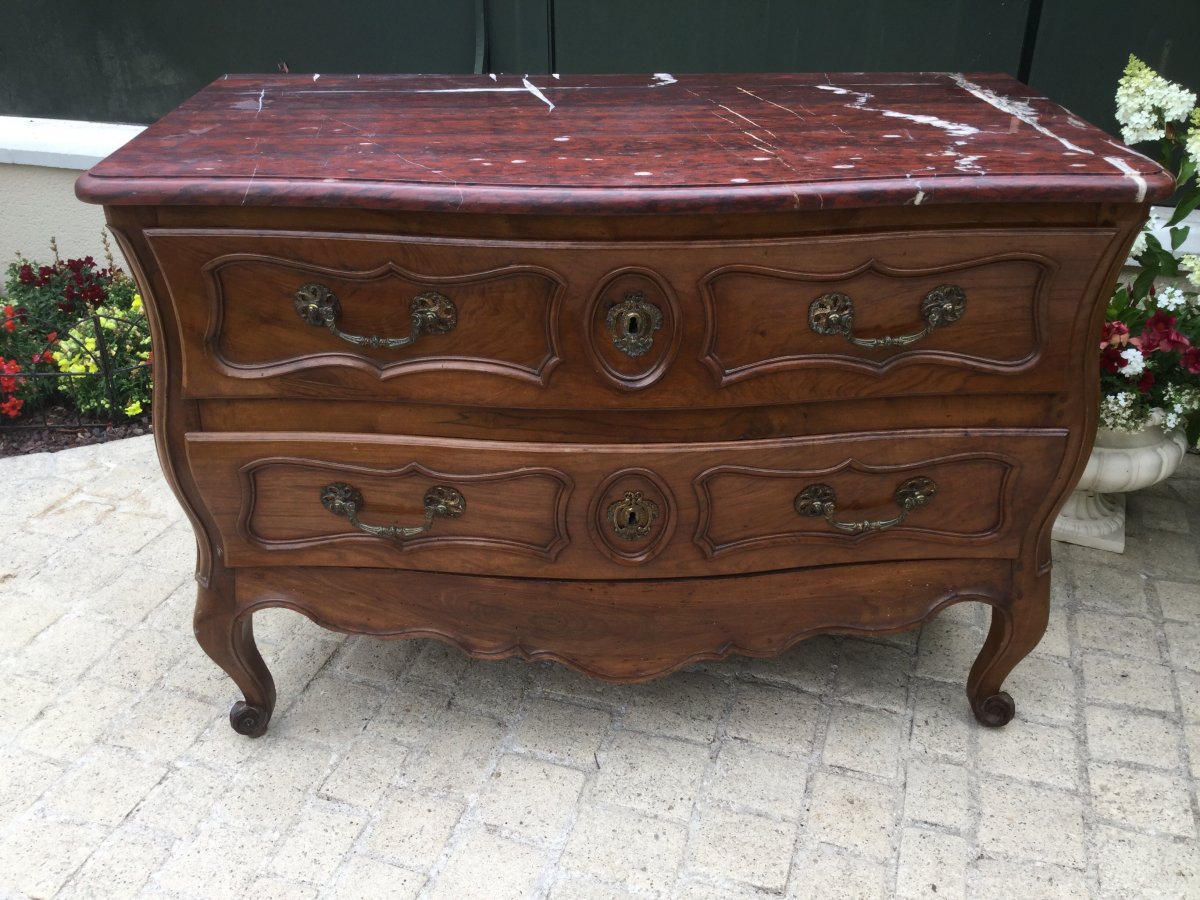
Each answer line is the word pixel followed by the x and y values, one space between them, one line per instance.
pixel 553 510
pixel 531 319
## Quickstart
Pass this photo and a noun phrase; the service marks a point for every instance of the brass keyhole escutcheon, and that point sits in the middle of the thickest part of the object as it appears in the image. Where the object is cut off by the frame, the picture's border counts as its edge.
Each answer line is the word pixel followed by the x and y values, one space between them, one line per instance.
pixel 632 324
pixel 632 516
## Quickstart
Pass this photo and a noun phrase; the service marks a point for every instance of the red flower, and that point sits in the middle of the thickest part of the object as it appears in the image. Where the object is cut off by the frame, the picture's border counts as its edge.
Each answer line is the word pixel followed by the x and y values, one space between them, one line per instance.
pixel 12 407
pixel 1191 360
pixel 1146 382
pixel 10 323
pixel 1111 360
pixel 1160 334
pixel 1116 334
pixel 52 337
pixel 26 275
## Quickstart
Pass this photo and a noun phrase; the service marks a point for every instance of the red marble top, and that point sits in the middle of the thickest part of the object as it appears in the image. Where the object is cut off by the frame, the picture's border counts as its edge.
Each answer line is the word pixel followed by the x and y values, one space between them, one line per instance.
pixel 620 144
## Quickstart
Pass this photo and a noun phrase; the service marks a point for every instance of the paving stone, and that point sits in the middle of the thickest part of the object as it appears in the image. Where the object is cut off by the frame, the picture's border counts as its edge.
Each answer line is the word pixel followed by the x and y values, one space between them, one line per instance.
pixel 826 876
pixel 281 889
pixel 119 868
pixel 723 890
pixel 855 815
pixel 182 800
pixel 873 675
pixel 1192 734
pixel 685 705
pixel 21 699
pixel 26 776
pixel 1032 752
pixel 553 678
pixel 939 793
pixel 774 718
pixel 1034 823
pixel 741 847
pixel 460 757
pixel 621 846
pixel 1189 694
pixel 1130 682
pixel 363 878
pixel 758 780
pixel 130 597
pixel 1136 866
pixel 1183 638
pixel 998 879
pixel 372 659
pixel 942 723
pixel 1126 736
pixel 274 787
pixel 1179 600
pixel 576 887
pixel 1163 554
pixel 67 648
pixel 104 786
pixel 562 731
pixel 415 826
pixel 23 617
pixel 946 650
pixel 863 740
pixel 37 856
pixel 534 799
pixel 932 864
pixel 494 688
pixel 330 710
pixel 314 848
pixel 66 729
pixel 363 774
pixel 1121 633
pixel 141 658
pixel 1057 639
pixel 660 776
pixel 438 663
pixel 512 869
pixel 1043 689
pixel 1122 591
pixel 163 724
pixel 809 666
pixel 1153 800
pixel 411 713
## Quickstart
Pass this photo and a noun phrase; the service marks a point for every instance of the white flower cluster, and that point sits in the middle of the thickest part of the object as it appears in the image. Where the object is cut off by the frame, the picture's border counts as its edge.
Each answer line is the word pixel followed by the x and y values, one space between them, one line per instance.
pixel 1190 263
pixel 1180 402
pixel 1123 412
pixel 1146 102
pixel 1192 142
pixel 1172 299
pixel 1139 245
pixel 1135 363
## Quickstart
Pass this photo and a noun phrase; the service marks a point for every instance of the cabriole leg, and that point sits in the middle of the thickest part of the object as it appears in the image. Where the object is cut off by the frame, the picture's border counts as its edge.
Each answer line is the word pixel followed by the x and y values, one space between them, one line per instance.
pixel 1016 630
pixel 229 642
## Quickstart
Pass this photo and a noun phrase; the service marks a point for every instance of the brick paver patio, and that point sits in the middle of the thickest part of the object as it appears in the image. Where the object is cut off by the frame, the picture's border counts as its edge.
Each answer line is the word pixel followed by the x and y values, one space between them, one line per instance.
pixel 849 768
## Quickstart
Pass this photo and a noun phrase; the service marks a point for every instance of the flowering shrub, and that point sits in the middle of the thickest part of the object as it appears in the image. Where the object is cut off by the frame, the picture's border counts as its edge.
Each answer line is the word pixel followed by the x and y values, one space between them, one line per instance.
pixel 73 330
pixel 1150 348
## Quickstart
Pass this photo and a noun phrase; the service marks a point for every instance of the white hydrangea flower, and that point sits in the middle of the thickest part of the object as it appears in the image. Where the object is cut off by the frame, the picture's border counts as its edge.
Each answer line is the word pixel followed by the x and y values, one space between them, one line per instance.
pixel 1190 263
pixel 1192 143
pixel 1139 244
pixel 1146 102
pixel 1172 299
pixel 1135 363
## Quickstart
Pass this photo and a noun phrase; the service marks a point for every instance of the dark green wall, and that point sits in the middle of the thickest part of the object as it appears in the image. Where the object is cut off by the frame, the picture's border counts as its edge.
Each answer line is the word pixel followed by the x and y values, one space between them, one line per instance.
pixel 132 61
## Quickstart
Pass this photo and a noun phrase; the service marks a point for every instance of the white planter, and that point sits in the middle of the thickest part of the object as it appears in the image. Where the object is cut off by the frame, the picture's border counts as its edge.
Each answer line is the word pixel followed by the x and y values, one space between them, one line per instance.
pixel 1094 515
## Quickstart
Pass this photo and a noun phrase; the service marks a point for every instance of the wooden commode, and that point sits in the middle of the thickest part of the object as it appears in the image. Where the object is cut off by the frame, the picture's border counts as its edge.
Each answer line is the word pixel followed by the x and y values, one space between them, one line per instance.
pixel 624 372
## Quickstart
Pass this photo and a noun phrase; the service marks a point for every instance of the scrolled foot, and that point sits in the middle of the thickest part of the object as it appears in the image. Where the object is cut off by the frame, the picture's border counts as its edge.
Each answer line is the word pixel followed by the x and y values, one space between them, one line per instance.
pixel 248 719
pixel 995 711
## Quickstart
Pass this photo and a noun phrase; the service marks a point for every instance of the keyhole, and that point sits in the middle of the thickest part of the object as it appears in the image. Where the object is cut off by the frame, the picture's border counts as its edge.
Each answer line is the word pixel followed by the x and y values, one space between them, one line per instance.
pixel 631 324
pixel 631 518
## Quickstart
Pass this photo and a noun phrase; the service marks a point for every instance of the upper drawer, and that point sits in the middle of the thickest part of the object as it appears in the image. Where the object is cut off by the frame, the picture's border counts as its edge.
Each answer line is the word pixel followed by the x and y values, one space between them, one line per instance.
pixel 629 325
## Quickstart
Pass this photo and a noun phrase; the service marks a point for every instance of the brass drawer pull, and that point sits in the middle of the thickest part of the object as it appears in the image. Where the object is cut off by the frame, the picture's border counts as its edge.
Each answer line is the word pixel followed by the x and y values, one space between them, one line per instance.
pixel 632 515
pixel 432 313
pixel 343 499
pixel 834 314
pixel 819 500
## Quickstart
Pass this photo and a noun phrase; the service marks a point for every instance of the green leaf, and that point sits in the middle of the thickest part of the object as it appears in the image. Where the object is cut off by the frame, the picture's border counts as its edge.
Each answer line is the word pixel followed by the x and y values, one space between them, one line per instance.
pixel 1141 284
pixel 1186 205
pixel 1179 234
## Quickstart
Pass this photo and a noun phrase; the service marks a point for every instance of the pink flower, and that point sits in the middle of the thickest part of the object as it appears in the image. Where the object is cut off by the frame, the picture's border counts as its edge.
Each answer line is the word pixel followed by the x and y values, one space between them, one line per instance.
pixel 1191 360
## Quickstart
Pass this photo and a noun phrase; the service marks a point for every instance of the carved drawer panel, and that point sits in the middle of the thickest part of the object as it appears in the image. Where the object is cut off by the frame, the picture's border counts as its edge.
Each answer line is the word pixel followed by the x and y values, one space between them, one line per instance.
pixel 612 511
pixel 899 314
pixel 298 314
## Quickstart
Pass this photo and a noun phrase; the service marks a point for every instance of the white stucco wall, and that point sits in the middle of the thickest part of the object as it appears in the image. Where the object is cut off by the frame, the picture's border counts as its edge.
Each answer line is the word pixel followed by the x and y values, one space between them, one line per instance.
pixel 39 162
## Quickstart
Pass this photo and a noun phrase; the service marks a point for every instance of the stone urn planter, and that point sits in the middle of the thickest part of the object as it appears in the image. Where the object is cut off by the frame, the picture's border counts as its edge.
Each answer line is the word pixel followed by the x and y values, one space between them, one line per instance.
pixel 1094 515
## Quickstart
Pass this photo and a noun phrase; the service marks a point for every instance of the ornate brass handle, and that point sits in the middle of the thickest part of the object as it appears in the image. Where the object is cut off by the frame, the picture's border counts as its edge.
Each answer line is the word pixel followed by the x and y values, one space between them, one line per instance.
pixel 632 515
pixel 343 499
pixel 432 313
pixel 819 500
pixel 834 314
pixel 632 323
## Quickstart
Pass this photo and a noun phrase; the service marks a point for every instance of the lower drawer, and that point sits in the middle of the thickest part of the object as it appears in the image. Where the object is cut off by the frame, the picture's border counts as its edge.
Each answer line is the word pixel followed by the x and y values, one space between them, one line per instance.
pixel 621 511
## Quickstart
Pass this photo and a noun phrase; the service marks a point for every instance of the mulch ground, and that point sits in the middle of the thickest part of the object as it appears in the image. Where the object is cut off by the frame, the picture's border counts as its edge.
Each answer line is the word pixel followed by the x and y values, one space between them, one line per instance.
pixel 59 428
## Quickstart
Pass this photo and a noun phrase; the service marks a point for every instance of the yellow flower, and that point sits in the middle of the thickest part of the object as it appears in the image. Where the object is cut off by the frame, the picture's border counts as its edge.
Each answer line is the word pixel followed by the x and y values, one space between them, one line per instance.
pixel 136 305
pixel 90 344
pixel 134 408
